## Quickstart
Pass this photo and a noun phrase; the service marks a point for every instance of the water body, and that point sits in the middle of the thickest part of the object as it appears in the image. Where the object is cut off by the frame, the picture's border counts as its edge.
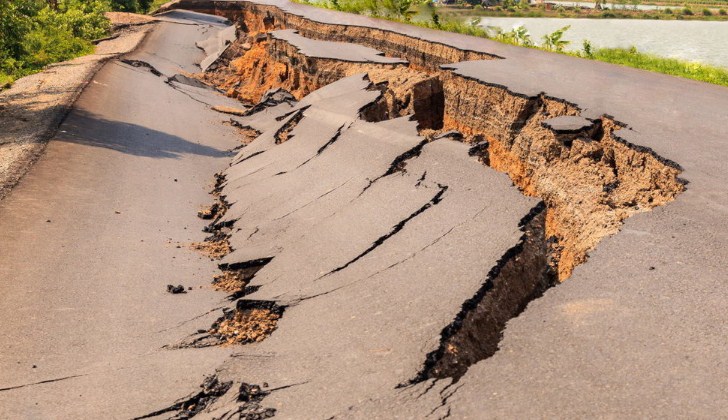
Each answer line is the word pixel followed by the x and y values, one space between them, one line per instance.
pixel 613 5
pixel 701 41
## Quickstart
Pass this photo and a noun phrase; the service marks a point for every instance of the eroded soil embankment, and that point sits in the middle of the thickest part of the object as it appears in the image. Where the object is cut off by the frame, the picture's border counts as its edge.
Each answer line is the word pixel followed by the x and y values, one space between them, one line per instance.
pixel 253 18
pixel 590 180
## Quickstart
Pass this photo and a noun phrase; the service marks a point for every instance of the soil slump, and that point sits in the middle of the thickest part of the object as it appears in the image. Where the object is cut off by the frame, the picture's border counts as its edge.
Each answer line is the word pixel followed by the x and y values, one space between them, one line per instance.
pixel 589 180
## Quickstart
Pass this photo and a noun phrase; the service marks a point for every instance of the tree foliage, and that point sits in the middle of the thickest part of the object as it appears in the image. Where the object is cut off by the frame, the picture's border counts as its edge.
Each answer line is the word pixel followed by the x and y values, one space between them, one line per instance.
pixel 35 33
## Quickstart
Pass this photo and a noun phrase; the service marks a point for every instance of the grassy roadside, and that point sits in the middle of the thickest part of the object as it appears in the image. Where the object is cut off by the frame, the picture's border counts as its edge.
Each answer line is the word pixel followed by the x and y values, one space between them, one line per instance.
pixel 36 33
pixel 518 36
pixel 671 66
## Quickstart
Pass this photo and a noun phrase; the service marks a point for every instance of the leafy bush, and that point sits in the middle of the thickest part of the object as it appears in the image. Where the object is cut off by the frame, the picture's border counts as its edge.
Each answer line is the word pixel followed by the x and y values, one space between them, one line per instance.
pixel 687 12
pixel 587 50
pixel 36 33
pixel 707 12
pixel 722 12
pixel 554 41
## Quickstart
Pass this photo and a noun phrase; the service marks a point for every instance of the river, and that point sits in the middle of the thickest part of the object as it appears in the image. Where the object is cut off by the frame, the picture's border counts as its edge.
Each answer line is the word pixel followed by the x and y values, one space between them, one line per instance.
pixel 701 41
pixel 614 6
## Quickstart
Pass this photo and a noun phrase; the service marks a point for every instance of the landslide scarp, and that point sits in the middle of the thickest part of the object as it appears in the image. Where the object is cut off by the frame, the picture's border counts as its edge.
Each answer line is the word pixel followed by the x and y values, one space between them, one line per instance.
pixel 588 178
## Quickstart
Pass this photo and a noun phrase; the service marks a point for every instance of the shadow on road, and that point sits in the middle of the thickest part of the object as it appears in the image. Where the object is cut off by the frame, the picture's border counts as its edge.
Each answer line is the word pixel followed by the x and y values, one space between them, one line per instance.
pixel 85 128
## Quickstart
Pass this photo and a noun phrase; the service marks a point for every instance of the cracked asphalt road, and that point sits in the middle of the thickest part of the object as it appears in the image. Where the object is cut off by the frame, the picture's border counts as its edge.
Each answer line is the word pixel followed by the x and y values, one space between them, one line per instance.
pixel 369 267
pixel 88 243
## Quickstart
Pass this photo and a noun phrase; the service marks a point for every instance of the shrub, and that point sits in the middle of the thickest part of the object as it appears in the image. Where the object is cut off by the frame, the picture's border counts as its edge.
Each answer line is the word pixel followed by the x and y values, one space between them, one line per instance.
pixel 34 34
pixel 554 41
pixel 722 12
pixel 707 12
pixel 687 12
pixel 587 50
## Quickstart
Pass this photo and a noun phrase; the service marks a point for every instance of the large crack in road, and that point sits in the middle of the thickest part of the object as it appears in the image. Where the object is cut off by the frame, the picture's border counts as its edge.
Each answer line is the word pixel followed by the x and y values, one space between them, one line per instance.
pixel 370 239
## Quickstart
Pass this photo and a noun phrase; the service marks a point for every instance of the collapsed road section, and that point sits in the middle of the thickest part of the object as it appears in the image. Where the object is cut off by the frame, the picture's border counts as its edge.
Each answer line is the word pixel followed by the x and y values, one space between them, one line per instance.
pixel 400 211
pixel 420 224
pixel 425 189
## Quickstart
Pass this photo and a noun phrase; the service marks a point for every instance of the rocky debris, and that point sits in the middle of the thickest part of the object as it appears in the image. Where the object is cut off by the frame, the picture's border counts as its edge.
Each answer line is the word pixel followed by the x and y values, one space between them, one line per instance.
pixel 250 322
pixel 234 280
pixel 175 289
pixel 213 211
pixel 206 213
pixel 215 246
pixel 251 397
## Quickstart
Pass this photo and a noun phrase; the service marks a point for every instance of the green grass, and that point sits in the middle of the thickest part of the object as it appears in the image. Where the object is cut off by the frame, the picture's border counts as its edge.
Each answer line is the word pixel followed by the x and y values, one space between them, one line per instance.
pixel 5 80
pixel 671 66
pixel 156 4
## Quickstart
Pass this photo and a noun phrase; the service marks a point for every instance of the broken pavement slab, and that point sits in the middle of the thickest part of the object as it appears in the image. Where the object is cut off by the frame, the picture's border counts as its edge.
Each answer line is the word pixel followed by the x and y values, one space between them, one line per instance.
pixel 369 247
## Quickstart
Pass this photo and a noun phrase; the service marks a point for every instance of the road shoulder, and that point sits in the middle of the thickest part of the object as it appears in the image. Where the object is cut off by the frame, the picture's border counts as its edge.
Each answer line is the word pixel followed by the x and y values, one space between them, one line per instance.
pixel 34 107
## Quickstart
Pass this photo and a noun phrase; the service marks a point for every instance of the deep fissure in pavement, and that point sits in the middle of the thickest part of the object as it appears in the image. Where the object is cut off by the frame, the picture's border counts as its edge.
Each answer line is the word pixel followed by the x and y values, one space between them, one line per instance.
pixel 523 273
pixel 591 179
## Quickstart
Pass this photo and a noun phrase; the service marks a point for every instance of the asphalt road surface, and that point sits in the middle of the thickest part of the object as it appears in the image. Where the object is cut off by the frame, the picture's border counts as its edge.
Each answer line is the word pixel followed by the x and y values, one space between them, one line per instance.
pixel 89 241
pixel 369 260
